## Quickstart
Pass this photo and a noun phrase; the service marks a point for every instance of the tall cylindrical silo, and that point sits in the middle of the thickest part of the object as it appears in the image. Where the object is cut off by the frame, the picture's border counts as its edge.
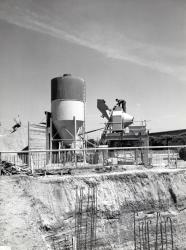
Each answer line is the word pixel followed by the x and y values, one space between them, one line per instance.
pixel 67 105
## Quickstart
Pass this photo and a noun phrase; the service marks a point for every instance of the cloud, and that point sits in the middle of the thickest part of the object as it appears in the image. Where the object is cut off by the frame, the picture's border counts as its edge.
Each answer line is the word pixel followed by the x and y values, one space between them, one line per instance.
pixel 111 43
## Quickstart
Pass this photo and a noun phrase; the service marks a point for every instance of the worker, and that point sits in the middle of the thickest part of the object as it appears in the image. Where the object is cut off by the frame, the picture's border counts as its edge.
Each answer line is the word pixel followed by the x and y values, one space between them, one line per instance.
pixel 121 103
pixel 17 124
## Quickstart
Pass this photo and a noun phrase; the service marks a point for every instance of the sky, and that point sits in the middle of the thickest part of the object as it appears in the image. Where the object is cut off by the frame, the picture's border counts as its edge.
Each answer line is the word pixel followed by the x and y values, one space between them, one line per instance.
pixel 129 49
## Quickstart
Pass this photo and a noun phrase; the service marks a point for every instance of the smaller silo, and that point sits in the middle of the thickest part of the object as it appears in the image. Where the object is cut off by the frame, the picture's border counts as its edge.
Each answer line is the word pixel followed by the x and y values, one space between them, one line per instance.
pixel 67 106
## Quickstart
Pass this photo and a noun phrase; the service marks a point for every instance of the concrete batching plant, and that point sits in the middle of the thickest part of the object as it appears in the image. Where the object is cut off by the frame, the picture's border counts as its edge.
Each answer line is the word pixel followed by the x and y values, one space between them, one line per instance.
pixel 119 130
pixel 65 123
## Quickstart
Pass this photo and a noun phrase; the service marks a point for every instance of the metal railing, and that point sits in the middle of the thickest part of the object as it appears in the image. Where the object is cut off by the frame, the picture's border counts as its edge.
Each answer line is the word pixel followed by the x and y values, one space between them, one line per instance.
pixel 101 159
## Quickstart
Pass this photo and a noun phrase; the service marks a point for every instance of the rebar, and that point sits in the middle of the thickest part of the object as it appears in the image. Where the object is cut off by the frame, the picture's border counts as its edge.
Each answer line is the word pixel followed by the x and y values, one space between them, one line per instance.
pixel 144 231
pixel 86 218
pixel 135 244
pixel 171 228
pixel 141 233
pixel 148 233
pixel 162 229
pixel 156 242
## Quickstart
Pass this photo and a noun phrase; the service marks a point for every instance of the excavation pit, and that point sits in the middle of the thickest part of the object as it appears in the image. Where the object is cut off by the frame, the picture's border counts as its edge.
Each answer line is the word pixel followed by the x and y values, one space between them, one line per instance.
pixel 47 207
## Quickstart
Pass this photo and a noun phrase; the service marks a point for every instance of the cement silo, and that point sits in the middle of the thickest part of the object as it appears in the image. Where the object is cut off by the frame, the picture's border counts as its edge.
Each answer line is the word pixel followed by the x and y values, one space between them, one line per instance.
pixel 67 106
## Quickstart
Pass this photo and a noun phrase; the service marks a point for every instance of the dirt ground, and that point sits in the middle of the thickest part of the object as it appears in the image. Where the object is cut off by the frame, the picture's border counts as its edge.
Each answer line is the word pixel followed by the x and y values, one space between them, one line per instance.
pixel 19 228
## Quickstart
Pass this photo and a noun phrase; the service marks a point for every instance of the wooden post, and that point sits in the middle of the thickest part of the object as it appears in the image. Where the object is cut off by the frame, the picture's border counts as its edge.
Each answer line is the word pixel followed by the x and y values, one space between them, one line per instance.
pixel 30 165
pixel 75 127
pixel 84 140
pixel 50 141
pixel 47 138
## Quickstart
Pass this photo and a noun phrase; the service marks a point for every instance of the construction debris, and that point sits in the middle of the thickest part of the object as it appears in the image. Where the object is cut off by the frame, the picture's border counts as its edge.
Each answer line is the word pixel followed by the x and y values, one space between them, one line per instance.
pixel 7 168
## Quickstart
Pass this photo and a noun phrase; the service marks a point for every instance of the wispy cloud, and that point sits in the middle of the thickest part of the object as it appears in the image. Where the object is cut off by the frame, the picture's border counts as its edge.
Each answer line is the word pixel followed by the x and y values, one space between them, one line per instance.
pixel 111 43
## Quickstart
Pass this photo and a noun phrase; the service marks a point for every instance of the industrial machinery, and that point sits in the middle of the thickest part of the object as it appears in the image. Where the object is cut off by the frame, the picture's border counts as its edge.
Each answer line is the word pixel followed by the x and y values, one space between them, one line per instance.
pixel 119 131
pixel 67 115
